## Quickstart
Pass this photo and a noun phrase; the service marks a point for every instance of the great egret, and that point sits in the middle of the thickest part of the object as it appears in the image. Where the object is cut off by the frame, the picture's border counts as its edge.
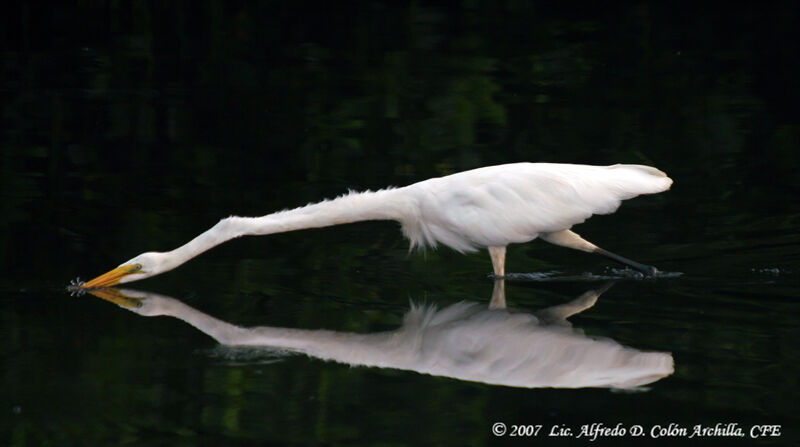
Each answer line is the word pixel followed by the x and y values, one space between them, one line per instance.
pixel 464 341
pixel 487 207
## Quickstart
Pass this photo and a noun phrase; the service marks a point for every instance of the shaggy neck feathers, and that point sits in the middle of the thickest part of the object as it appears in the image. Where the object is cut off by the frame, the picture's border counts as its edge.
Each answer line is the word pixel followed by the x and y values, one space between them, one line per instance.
pixel 385 204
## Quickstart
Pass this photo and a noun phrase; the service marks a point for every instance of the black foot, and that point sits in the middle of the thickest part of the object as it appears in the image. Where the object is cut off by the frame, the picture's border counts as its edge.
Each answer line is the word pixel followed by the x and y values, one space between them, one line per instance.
pixel 646 270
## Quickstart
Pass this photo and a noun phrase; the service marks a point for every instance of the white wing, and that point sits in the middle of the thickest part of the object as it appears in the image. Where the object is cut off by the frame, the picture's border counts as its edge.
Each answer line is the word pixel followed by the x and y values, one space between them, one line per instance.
pixel 513 203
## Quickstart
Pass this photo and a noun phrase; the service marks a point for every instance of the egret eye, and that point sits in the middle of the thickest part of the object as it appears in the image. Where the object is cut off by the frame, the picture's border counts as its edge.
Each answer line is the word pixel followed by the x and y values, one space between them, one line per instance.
pixel 489 207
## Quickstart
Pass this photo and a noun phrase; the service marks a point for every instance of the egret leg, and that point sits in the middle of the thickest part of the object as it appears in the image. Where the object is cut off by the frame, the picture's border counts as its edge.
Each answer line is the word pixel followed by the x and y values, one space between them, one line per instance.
pixel 498 255
pixel 570 239
pixel 559 314
pixel 498 295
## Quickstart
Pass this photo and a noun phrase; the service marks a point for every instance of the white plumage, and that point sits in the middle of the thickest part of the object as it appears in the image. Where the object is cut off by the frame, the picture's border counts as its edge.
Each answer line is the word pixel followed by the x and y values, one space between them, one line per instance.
pixel 514 203
pixel 486 207
pixel 465 341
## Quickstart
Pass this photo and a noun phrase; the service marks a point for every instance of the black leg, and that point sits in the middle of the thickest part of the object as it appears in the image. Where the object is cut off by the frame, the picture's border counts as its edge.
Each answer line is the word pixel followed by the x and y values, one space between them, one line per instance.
pixel 646 270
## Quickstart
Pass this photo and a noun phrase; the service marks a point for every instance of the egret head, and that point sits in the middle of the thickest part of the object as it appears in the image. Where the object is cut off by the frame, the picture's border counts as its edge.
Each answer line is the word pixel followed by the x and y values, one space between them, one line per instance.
pixel 143 266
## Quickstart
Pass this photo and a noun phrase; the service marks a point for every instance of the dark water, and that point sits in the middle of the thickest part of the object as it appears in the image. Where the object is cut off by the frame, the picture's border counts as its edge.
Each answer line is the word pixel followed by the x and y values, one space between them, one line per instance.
pixel 129 127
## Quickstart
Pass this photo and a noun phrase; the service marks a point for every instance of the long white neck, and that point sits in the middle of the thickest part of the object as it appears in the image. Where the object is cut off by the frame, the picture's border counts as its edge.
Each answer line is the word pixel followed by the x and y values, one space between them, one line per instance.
pixel 462 341
pixel 387 204
pixel 375 349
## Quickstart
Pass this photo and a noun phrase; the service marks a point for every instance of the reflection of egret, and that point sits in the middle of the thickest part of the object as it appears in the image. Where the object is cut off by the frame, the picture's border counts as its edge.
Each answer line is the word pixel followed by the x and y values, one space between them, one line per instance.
pixel 464 341
pixel 487 207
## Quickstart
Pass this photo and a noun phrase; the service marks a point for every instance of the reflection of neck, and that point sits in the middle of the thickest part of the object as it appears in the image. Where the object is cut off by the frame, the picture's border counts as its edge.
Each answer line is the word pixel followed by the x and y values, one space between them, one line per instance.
pixel 387 204
pixel 327 345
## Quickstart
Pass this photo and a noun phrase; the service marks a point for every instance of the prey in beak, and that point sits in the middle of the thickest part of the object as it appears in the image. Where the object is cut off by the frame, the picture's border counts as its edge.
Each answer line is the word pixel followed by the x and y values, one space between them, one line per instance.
pixel 109 279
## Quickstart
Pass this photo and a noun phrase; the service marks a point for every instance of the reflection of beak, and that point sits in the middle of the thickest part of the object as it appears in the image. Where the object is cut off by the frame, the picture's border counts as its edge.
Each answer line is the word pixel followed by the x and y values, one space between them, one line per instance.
pixel 117 297
pixel 111 278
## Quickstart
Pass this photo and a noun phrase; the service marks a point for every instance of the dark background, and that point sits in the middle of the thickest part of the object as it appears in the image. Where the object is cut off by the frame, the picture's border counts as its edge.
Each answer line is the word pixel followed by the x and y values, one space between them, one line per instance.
pixel 133 126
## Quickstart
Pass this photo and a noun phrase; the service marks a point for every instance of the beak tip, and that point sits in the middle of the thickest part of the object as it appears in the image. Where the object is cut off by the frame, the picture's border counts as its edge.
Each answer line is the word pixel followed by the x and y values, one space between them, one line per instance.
pixel 108 279
pixel 75 285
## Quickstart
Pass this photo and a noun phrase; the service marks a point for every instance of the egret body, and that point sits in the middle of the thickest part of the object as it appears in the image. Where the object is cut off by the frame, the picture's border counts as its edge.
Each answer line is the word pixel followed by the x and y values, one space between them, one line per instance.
pixel 487 207
pixel 465 341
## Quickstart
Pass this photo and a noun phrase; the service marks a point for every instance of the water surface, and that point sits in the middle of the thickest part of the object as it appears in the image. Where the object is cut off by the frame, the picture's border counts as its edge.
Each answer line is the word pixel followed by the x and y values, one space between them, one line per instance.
pixel 128 128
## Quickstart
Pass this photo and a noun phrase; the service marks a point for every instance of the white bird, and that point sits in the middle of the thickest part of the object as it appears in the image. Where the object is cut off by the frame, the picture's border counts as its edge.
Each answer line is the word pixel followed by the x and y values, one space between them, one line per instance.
pixel 487 207
pixel 464 341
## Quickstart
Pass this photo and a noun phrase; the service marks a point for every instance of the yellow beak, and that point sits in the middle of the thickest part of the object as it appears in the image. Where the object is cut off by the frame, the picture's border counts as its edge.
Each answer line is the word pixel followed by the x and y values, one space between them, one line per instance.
pixel 117 297
pixel 112 278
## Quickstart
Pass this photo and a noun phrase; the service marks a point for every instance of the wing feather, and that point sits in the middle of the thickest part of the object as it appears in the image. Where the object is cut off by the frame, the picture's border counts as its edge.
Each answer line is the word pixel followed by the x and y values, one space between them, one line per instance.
pixel 513 203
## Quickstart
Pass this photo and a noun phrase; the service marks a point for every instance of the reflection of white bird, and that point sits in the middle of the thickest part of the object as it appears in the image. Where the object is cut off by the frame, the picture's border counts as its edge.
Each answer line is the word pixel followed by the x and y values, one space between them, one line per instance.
pixel 465 341
pixel 487 207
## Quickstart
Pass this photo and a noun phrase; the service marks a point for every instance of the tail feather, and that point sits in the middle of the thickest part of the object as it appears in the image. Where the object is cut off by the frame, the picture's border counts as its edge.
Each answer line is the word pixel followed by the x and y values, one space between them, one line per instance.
pixel 640 179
